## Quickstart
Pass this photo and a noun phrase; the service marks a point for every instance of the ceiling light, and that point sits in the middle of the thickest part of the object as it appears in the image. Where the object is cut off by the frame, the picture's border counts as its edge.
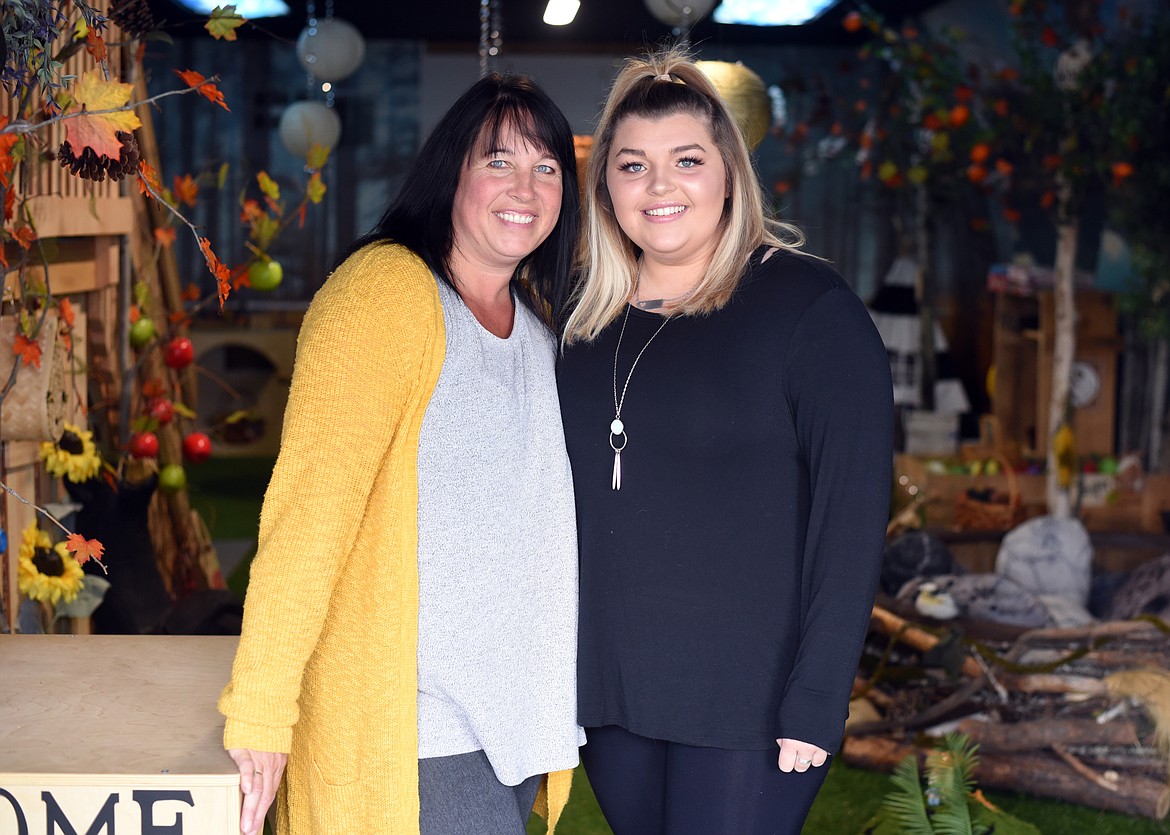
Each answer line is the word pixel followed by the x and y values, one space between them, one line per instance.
pixel 244 8
pixel 770 12
pixel 561 12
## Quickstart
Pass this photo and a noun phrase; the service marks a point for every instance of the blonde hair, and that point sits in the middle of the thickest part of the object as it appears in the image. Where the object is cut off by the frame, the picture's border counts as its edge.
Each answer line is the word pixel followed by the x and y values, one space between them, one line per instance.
pixel 663 84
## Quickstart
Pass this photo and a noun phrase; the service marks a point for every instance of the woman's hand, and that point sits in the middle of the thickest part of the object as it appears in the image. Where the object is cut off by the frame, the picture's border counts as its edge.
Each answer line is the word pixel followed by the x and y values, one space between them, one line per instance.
pixel 800 756
pixel 260 773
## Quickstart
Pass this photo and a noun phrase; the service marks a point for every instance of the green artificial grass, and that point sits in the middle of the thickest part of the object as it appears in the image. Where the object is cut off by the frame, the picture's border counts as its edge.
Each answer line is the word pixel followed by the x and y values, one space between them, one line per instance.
pixel 229 492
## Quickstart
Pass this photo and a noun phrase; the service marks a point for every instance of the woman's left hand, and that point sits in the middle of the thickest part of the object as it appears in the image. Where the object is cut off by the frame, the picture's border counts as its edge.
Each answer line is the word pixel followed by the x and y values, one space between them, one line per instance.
pixel 800 756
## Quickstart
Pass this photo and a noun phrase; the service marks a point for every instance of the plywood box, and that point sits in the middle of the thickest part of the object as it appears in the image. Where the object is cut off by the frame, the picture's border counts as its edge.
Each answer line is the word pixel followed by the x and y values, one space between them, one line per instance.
pixel 107 730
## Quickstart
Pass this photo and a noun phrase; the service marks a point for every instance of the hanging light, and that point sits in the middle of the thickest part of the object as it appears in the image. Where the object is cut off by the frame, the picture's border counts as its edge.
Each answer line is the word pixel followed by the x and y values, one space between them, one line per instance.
pixel 561 12
pixel 680 13
pixel 304 124
pixel 331 48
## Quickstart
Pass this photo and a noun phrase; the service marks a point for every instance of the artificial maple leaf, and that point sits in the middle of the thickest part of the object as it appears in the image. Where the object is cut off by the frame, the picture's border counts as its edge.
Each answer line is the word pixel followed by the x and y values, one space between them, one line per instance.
pixel 268 186
pixel 9 203
pixel 224 22
pixel 94 45
pixel 315 190
pixel 250 210
pixel 186 190
pixel 190 292
pixel 165 235
pixel 148 179
pixel 67 314
pixel 206 89
pixel 94 93
pixel 83 549
pixel 24 236
pixel 7 160
pixel 29 350
pixel 223 275
pixel 317 157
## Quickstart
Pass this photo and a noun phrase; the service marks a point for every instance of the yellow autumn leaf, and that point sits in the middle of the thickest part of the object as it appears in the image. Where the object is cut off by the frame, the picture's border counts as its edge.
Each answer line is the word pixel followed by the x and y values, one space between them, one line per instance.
pixel 223 23
pixel 268 186
pixel 317 157
pixel 315 190
pixel 93 93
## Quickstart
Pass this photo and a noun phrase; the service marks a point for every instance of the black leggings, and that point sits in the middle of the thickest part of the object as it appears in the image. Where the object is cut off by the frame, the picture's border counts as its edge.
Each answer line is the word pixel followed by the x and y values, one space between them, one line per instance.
pixel 651 787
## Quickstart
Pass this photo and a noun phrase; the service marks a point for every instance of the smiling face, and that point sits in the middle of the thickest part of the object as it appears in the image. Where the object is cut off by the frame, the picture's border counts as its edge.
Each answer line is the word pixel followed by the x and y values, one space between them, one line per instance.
pixel 507 202
pixel 667 182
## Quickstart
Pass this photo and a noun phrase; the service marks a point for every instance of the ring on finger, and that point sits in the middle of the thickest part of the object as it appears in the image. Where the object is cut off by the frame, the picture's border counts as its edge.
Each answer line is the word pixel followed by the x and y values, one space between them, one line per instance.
pixel 803 761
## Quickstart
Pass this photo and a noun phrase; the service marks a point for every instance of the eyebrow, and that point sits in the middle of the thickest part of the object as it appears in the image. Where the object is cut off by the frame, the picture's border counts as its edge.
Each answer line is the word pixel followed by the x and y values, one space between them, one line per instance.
pixel 638 152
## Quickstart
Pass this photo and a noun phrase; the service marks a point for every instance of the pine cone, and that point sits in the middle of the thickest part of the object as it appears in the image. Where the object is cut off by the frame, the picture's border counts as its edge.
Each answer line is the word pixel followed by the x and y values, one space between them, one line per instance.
pixel 89 166
pixel 133 16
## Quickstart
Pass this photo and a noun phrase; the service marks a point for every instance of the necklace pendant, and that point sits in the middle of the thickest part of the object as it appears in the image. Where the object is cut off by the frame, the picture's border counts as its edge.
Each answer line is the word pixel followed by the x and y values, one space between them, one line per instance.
pixel 616 483
pixel 617 427
pixel 617 432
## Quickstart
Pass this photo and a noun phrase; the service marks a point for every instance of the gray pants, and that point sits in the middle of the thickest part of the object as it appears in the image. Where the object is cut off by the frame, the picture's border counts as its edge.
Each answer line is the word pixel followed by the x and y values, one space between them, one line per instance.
pixel 460 795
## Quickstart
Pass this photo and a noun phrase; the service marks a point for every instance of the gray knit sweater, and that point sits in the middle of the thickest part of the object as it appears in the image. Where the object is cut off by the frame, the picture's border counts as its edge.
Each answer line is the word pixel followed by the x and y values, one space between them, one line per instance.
pixel 497 553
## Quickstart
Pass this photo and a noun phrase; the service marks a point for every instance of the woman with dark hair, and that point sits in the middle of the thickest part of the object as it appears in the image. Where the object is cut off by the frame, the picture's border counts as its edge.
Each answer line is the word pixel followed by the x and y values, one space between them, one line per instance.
pixel 407 656
pixel 728 415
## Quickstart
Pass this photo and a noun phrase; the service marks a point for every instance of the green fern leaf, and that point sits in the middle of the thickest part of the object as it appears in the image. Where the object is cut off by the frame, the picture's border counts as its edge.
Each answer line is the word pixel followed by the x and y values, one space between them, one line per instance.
pixel 905 800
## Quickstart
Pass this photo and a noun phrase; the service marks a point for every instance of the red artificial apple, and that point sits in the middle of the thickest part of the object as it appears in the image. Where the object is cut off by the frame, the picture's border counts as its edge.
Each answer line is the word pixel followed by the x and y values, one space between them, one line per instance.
pixel 179 353
pixel 161 410
pixel 197 447
pixel 144 445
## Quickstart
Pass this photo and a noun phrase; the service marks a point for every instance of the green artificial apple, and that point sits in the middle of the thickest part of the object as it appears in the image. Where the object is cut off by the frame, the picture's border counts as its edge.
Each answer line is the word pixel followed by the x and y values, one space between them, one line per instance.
pixel 142 331
pixel 172 478
pixel 265 274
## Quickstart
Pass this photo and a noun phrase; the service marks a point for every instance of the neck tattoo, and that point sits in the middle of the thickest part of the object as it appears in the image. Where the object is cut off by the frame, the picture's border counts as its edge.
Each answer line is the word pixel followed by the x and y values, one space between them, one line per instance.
pixel 617 429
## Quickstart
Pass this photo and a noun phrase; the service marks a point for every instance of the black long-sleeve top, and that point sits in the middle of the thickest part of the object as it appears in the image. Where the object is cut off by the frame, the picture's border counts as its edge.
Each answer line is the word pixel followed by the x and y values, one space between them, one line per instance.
pixel 726 587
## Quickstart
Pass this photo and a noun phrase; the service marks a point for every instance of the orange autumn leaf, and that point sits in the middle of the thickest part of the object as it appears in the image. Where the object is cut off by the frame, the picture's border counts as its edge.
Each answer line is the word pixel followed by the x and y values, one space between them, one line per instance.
pixel 67 314
pixel 218 269
pixel 186 190
pixel 148 177
pixel 165 235
pixel 7 162
pixel 153 388
pixel 1047 199
pixel 976 173
pixel 83 549
pixel 980 153
pixel 1003 167
pixel 94 93
pixel 190 292
pixel 959 115
pixel 9 203
pixel 29 350
pixel 95 46
pixel 179 317
pixel 25 236
pixel 206 89
pixel 1120 171
pixel 250 212
pixel 852 21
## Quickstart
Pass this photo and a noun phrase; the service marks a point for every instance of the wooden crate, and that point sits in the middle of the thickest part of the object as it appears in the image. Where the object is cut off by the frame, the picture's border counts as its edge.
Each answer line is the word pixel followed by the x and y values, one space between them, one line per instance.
pixel 117 729
pixel 1022 346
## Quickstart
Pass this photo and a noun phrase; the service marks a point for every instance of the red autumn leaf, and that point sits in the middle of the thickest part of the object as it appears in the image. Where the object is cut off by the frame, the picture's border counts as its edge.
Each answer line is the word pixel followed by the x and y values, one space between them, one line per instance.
pixel 301 216
pixel 95 46
pixel 963 93
pixel 1000 107
pixel 1003 167
pixel 250 211
pixel 980 152
pixel 218 269
pixel 206 89
pixel 148 177
pixel 1121 170
pixel 191 292
pixel 165 235
pixel 153 388
pixel 7 163
pixel 9 203
pixel 1011 215
pixel 959 115
pixel 29 350
pixel 67 314
pixel 931 121
pixel 186 190
pixel 852 21
pixel 24 236
pixel 179 317
pixel 83 549
pixel 1049 36
pixel 135 314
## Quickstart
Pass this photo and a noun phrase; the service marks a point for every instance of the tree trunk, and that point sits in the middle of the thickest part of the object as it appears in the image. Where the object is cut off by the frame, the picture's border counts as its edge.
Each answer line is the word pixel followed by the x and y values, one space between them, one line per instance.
pixel 1158 372
pixel 925 295
pixel 1063 352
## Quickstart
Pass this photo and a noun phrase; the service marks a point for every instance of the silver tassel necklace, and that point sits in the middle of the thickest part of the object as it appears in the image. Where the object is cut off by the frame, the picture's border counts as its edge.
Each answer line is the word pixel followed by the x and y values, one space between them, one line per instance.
pixel 617 429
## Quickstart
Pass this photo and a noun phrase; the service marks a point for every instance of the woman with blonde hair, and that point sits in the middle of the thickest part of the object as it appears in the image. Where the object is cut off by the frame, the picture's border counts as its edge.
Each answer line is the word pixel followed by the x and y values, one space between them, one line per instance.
pixel 728 414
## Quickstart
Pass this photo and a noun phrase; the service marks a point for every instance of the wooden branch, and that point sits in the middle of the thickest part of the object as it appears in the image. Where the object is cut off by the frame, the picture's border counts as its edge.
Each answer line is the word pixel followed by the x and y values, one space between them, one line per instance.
pixel 1035 774
pixel 891 624
pixel 1083 770
pixel 1054 683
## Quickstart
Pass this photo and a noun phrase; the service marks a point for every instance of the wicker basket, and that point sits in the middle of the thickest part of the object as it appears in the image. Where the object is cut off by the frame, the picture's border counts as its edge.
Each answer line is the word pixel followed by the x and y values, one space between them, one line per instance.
pixel 998 512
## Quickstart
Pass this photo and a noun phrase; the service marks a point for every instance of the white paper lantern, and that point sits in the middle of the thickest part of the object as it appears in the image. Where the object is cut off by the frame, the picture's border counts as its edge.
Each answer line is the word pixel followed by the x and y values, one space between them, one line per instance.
pixel 304 124
pixel 331 49
pixel 680 12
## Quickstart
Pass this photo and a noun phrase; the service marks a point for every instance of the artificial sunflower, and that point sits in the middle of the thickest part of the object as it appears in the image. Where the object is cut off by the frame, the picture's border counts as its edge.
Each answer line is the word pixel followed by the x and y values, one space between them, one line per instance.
pixel 48 572
pixel 74 456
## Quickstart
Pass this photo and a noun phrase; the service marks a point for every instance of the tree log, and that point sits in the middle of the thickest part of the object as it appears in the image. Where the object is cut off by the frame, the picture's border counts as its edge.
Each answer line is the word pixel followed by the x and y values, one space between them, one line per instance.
pixel 1053 683
pixel 1044 733
pixel 890 624
pixel 1033 774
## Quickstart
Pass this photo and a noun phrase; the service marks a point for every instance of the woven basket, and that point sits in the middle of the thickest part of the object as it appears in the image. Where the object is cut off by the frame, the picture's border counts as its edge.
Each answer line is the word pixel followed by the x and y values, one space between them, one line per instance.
pixel 999 512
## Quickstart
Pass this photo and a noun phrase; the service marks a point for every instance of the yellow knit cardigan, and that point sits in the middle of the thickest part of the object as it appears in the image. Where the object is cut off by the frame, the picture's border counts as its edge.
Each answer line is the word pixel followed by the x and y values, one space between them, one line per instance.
pixel 327 663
